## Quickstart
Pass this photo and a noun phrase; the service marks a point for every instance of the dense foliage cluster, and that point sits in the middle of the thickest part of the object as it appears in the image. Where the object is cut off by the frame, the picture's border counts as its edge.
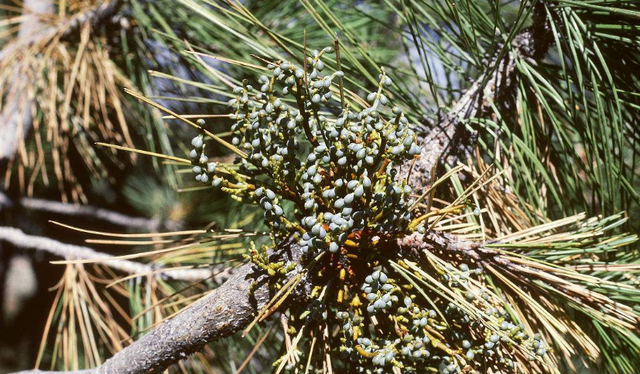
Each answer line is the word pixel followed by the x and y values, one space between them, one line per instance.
pixel 327 174
pixel 336 165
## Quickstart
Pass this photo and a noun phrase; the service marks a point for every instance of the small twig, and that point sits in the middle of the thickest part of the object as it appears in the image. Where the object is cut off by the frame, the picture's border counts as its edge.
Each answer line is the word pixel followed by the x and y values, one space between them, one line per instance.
pixel 304 60
pixel 75 252
pixel 300 97
pixel 102 214
pixel 338 61
pixel 305 115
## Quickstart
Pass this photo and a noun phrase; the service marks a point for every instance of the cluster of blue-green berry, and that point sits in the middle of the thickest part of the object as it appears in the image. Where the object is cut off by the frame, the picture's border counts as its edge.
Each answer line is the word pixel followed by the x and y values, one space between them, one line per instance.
pixel 412 339
pixel 335 163
pixel 407 348
pixel 202 168
pixel 379 292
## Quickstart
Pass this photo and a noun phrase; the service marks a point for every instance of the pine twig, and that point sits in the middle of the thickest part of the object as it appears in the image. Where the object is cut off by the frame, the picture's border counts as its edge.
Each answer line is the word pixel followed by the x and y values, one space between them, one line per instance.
pixel 102 214
pixel 74 252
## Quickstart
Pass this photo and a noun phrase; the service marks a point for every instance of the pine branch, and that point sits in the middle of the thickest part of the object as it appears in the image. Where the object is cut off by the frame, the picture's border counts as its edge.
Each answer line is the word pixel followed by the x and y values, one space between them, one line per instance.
pixel 224 312
pixel 449 138
pixel 579 291
pixel 232 306
pixel 15 117
pixel 74 252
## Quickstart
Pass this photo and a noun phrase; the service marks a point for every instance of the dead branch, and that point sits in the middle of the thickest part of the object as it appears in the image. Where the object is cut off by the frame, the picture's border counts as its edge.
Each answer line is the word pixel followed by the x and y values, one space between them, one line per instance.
pixel 64 27
pixel 15 117
pixel 102 214
pixel 74 252
pixel 17 110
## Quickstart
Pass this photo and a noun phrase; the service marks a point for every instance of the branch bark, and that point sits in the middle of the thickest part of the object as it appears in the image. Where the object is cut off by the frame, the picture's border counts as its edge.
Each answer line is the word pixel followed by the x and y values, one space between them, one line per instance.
pixel 415 244
pixel 222 313
pixel 75 252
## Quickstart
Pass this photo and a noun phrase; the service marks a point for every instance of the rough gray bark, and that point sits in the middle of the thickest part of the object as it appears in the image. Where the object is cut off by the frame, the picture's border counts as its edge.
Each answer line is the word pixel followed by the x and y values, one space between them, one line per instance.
pixel 75 252
pixel 415 244
pixel 224 312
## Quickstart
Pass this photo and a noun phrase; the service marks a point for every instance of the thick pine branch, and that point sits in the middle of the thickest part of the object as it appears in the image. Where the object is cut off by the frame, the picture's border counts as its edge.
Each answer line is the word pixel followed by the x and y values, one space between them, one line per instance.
pixel 222 313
